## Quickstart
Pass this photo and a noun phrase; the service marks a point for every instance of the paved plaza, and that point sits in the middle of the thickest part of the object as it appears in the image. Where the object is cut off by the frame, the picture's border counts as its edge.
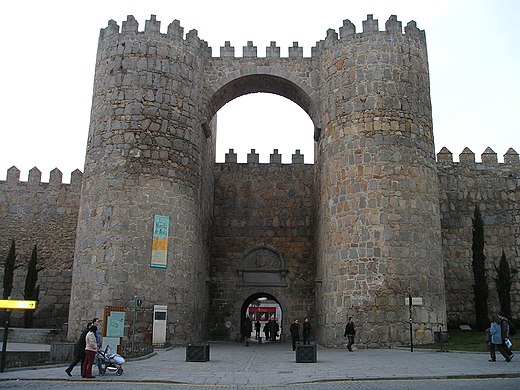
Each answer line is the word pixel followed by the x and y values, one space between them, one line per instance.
pixel 275 364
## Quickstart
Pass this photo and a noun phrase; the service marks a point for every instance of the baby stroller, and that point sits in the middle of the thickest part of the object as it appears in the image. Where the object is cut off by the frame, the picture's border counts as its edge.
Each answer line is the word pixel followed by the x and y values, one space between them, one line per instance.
pixel 109 361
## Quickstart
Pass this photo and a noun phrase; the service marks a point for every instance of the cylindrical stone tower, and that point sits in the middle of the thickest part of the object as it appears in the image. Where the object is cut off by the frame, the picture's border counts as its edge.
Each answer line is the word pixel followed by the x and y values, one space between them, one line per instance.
pixel 378 225
pixel 147 155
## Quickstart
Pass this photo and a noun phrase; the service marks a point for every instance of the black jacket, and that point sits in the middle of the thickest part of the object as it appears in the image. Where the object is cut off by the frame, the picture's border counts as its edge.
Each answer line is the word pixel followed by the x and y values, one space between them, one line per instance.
pixel 246 327
pixel 79 348
pixel 295 331
pixel 350 329
pixel 306 328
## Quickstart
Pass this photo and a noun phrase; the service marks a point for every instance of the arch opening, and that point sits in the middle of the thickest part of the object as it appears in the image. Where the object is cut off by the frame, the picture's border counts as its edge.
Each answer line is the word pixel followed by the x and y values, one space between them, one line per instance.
pixel 259 87
pixel 264 122
pixel 265 309
pixel 261 83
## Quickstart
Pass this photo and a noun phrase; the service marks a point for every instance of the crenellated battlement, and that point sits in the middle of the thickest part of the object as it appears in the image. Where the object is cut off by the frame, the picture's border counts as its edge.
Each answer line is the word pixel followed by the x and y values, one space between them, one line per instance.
pixel 35 178
pixel 487 157
pixel 254 158
pixel 175 33
pixel 347 32
pixel 370 27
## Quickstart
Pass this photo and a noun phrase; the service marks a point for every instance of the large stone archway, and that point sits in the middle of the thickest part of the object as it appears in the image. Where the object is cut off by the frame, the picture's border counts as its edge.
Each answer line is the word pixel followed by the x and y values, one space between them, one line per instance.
pixel 356 231
pixel 267 80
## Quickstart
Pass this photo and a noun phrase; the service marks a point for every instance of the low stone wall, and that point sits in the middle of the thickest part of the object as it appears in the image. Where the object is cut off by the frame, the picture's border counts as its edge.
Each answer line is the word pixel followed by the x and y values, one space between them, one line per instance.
pixel 30 335
pixel 62 352
pixel 59 353
pixel 16 359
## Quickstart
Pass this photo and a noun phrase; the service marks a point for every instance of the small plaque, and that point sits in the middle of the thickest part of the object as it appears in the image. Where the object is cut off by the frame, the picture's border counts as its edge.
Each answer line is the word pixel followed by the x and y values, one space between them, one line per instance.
pixel 416 301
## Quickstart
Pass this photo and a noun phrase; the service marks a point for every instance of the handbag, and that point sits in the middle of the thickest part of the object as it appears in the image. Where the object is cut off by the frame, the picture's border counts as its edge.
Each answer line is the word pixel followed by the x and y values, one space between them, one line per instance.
pixel 508 343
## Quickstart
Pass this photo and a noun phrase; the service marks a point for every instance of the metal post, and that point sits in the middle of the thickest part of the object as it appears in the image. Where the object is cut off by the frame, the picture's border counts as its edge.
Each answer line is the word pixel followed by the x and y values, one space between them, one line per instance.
pixel 4 345
pixel 440 337
pixel 411 330
pixel 133 325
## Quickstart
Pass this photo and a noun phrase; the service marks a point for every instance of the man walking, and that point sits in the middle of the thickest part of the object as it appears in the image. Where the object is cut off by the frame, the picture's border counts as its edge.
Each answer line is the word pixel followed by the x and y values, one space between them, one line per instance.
pixel 95 322
pixel 350 332
pixel 505 333
pixel 79 352
pixel 257 329
pixel 246 329
pixel 294 329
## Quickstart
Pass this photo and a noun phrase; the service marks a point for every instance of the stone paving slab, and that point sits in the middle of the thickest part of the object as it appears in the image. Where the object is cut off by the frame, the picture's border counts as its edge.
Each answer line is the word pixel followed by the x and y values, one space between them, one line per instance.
pixel 265 364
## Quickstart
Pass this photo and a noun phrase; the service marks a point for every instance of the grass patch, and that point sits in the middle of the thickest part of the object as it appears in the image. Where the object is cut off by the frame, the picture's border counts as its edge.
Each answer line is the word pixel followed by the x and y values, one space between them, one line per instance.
pixel 460 340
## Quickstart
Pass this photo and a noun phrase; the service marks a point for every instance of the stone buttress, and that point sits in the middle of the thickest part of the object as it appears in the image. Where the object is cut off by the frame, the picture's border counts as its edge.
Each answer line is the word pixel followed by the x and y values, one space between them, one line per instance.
pixel 146 155
pixel 378 226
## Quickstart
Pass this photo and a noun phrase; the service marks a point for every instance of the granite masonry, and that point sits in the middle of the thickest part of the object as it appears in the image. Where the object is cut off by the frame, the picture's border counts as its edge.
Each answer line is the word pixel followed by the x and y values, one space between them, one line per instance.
pixel 375 218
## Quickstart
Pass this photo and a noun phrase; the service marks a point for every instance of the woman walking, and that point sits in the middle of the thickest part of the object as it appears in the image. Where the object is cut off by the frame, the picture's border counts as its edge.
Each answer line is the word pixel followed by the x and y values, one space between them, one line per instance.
pixel 91 347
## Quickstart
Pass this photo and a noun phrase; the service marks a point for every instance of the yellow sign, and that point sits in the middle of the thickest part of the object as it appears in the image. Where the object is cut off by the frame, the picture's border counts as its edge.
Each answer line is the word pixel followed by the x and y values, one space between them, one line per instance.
pixel 13 304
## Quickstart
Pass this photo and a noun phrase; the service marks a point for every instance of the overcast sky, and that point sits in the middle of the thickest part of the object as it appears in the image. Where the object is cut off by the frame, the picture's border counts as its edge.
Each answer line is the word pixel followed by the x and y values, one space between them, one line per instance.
pixel 49 49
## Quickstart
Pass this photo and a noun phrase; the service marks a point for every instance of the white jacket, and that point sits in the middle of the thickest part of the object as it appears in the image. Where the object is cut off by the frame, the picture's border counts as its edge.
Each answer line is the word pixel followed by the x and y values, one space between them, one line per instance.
pixel 90 340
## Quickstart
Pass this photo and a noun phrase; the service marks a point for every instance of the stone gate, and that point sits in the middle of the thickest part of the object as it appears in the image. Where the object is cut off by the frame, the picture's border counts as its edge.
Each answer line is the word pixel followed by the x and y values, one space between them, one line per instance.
pixel 349 235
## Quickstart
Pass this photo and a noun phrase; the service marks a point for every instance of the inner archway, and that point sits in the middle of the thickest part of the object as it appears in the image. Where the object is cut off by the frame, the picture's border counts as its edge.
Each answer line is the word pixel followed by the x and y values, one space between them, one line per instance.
pixel 266 310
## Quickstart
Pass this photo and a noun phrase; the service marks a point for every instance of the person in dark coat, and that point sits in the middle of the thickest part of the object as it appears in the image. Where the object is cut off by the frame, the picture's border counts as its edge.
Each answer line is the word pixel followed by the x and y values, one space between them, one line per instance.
pixel 504 332
pixel 294 330
pixel 270 327
pixel 350 332
pixel 266 330
pixel 306 331
pixel 246 329
pixel 257 329
pixel 275 328
pixel 79 352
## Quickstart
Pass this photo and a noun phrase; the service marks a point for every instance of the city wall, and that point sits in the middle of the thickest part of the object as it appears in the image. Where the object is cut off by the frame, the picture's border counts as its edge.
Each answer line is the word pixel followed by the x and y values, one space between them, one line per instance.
pixel 45 214
pixel 42 214
pixel 495 187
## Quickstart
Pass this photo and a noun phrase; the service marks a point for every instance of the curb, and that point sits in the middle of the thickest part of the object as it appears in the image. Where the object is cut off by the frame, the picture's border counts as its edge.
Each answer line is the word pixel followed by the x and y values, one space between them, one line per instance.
pixel 345 380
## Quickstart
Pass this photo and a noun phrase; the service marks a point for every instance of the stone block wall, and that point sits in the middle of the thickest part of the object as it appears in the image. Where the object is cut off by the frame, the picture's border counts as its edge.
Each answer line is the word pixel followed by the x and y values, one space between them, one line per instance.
pixel 495 187
pixel 249 212
pixel 378 229
pixel 45 215
pixel 267 206
pixel 149 152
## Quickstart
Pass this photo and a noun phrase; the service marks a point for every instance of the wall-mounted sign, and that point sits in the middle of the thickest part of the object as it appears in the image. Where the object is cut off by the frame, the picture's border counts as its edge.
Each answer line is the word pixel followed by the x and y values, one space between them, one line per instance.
pixel 116 325
pixel 14 304
pixel 416 301
pixel 161 226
